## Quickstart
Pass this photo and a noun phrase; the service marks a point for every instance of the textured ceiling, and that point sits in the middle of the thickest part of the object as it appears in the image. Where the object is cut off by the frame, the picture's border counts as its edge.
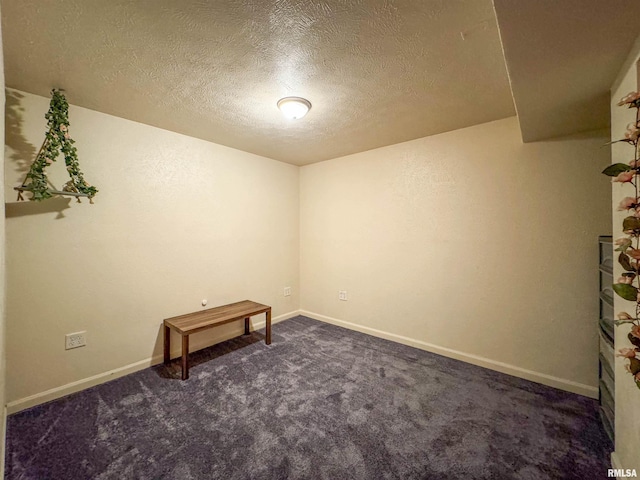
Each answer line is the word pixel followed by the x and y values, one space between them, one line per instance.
pixel 377 72
pixel 563 57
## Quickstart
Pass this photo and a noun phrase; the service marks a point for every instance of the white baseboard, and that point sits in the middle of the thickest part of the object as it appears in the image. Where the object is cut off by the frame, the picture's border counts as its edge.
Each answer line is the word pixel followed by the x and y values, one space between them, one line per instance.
pixel 543 378
pixel 61 391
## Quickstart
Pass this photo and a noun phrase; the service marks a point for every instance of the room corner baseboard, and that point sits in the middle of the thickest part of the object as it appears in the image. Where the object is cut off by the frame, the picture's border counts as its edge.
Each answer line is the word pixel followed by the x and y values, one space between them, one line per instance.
pixel 556 382
pixel 73 387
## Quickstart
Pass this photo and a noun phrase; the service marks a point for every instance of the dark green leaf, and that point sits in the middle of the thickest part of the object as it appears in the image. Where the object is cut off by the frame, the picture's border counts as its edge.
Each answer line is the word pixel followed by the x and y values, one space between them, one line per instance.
pixel 628 292
pixel 631 224
pixel 616 169
pixel 634 365
pixel 634 340
pixel 624 261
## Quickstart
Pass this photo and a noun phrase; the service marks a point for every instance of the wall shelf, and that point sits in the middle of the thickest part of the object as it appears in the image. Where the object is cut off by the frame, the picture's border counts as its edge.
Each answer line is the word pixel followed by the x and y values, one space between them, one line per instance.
pixel 54 192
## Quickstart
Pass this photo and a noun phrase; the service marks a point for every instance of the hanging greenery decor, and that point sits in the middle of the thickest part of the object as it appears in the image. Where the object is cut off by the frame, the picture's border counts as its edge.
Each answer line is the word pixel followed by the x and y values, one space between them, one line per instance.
pixel 629 246
pixel 56 140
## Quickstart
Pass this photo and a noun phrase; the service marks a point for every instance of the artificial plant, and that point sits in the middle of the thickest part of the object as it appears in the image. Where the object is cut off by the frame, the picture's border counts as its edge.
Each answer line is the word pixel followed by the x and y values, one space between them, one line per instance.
pixel 628 285
pixel 57 139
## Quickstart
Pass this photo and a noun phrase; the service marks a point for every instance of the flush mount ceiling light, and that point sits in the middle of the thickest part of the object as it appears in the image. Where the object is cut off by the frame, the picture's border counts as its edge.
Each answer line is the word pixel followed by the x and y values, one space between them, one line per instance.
pixel 294 107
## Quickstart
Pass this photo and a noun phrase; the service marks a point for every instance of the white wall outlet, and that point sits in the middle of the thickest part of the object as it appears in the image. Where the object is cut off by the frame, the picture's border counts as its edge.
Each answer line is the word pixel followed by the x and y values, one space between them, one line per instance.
pixel 75 340
pixel 342 295
pixel 287 291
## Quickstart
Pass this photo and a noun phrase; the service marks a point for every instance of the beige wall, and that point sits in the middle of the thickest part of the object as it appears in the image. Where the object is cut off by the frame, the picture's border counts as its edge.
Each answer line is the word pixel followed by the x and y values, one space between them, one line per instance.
pixel 176 220
pixel 2 278
pixel 627 429
pixel 467 243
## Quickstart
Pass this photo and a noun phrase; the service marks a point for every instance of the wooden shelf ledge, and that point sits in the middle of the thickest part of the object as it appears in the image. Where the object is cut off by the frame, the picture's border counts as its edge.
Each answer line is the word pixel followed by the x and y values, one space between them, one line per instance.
pixel 53 192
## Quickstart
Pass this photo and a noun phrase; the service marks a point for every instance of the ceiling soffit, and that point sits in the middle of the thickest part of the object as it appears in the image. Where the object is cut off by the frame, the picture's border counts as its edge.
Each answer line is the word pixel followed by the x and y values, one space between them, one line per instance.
pixel 562 59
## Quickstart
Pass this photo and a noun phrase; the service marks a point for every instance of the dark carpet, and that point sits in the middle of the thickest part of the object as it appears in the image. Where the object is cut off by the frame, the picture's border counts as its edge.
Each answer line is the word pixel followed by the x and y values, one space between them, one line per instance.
pixel 320 402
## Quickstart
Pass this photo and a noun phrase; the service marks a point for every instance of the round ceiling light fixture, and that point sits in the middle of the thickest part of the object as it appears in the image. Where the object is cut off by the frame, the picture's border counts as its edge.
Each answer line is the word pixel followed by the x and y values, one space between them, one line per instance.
pixel 294 107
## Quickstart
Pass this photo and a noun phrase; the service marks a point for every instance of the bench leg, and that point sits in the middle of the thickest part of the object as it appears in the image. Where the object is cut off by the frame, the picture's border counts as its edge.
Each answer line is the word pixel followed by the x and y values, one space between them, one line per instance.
pixel 167 345
pixel 268 336
pixel 185 357
pixel 246 326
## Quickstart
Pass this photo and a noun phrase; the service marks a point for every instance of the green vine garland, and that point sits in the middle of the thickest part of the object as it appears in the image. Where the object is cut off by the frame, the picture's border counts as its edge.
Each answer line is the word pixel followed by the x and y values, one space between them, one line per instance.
pixel 57 140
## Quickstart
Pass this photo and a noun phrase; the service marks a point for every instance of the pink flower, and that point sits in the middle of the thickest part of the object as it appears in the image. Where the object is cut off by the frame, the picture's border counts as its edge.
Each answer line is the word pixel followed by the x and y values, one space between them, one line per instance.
pixel 629 98
pixel 627 203
pixel 635 331
pixel 632 132
pixel 66 135
pixel 48 160
pixel 636 377
pixel 623 242
pixel 628 279
pixel 627 353
pixel 623 177
pixel 624 316
pixel 63 128
pixel 634 163
pixel 634 253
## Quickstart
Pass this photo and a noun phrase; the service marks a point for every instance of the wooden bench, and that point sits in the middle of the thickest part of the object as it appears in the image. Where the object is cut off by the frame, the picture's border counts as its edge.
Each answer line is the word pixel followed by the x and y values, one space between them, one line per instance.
pixel 195 322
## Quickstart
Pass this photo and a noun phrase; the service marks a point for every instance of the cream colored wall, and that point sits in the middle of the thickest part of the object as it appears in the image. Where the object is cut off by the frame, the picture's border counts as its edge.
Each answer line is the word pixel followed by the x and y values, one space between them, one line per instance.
pixel 176 220
pixel 627 396
pixel 468 243
pixel 2 277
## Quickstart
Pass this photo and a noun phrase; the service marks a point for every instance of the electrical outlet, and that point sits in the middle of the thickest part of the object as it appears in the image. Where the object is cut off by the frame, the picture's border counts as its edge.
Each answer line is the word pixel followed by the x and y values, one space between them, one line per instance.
pixel 342 295
pixel 75 340
pixel 287 291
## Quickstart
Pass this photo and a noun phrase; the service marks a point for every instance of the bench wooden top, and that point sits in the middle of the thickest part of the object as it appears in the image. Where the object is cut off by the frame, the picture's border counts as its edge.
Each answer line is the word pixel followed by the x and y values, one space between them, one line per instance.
pixel 196 321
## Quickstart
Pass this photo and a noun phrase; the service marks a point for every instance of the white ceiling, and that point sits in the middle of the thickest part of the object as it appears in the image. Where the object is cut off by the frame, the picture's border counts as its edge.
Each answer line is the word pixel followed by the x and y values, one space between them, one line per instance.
pixel 377 72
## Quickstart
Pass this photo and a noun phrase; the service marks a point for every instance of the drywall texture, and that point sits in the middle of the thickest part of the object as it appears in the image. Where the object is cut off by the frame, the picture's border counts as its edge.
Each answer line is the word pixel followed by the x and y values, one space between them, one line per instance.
pixel 176 220
pixel 627 396
pixel 468 240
